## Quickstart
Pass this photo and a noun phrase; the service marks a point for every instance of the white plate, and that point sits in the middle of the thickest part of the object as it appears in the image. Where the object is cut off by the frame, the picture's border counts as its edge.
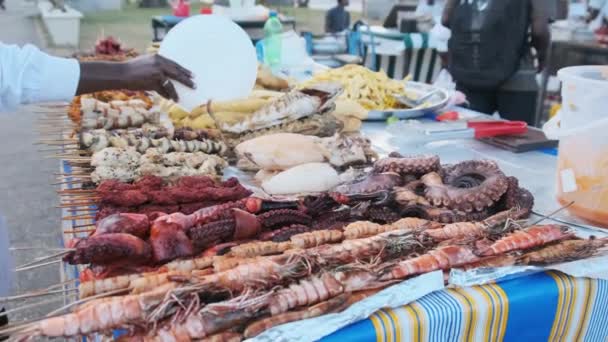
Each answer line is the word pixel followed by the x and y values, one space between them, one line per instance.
pixel 220 55
pixel 436 103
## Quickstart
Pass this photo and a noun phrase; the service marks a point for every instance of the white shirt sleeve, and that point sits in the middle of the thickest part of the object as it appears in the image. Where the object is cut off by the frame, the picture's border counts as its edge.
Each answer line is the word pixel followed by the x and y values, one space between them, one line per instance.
pixel 28 75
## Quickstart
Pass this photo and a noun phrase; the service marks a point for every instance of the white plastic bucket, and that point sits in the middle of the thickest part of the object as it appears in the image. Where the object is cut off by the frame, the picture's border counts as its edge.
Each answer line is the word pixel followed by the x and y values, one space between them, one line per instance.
pixel 583 149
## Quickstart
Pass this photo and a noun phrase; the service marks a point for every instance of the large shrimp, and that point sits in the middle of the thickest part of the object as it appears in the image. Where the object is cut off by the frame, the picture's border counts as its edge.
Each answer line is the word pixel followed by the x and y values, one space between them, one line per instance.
pixel 531 237
pixel 323 308
pixel 97 286
pixel 153 280
pixel 99 315
pixel 459 230
pixel 568 250
pixel 197 326
pixel 190 264
pixel 316 238
pixel 492 262
pixel 362 229
pixel 259 248
pixel 495 225
pixel 263 273
pixel 224 263
pixel 307 292
pixel 442 258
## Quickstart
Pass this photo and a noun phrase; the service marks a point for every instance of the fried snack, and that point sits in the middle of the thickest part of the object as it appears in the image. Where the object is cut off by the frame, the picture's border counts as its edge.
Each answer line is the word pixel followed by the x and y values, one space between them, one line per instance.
pixel 372 90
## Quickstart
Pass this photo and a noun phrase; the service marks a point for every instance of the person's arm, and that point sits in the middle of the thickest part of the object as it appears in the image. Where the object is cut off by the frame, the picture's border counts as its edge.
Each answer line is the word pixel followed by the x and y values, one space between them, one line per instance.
pixel 447 12
pixel 541 35
pixel 150 72
pixel 28 75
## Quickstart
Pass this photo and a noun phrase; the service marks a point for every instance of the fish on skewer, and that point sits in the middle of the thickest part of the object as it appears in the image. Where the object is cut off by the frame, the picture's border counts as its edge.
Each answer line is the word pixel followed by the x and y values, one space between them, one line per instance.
pixel 290 107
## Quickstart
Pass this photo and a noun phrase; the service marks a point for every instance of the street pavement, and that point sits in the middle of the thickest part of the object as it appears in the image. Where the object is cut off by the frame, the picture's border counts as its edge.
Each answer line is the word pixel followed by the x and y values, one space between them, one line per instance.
pixel 27 200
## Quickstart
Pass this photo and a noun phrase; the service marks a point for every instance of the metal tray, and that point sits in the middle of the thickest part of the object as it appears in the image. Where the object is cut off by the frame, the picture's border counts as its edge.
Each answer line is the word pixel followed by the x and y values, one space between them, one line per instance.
pixel 437 102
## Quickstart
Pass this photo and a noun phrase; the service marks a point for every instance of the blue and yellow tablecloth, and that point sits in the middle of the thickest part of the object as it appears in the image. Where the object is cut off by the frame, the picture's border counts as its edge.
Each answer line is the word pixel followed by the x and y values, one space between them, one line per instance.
pixel 547 306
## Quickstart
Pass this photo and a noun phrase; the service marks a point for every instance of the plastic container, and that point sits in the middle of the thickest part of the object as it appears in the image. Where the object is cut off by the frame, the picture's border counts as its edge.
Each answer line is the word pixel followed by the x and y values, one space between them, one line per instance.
pixel 273 30
pixel 583 149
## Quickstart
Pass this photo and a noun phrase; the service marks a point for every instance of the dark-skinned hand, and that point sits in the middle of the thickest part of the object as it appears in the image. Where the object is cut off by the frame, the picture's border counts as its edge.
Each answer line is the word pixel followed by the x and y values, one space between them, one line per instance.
pixel 149 72
pixel 152 72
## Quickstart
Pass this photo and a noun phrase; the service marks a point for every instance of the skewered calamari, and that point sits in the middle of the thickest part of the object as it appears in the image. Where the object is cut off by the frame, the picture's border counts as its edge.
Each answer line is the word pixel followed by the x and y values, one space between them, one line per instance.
pixel 276 151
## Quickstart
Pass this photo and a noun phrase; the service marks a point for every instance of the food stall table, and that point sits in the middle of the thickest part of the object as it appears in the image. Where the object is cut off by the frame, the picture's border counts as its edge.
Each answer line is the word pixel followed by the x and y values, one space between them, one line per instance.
pixel 164 23
pixel 536 305
pixel 545 306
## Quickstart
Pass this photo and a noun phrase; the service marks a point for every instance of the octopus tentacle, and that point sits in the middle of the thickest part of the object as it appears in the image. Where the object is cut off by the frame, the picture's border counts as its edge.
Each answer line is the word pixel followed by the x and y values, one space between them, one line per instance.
pixel 283 217
pixel 382 215
pixel 285 233
pixel 516 197
pixel 372 183
pixel 407 165
pixel 468 186
pixel 333 220
pixel 441 215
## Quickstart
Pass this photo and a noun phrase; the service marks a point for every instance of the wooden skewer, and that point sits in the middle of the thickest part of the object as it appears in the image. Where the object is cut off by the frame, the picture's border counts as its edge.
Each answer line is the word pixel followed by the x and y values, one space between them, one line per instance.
pixel 60 149
pixel 73 205
pixel 77 173
pixel 84 300
pixel 85 199
pixel 69 182
pixel 77 176
pixel 79 200
pixel 52 256
pixel 43 290
pixel 20 327
pixel 36 248
pixel 78 217
pixel 82 211
pixel 21 269
pixel 83 225
pixel 78 231
pixel 34 294
pixel 76 191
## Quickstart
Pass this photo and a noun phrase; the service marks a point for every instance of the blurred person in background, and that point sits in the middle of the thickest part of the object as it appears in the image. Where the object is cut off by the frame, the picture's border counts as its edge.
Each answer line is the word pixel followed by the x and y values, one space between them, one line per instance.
pixel 490 56
pixel 595 9
pixel 28 75
pixel 2 6
pixel 337 19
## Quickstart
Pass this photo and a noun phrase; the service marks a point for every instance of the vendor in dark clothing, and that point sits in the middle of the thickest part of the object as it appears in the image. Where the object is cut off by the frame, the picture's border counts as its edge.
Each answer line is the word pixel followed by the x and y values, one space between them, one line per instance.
pixel 490 53
pixel 337 18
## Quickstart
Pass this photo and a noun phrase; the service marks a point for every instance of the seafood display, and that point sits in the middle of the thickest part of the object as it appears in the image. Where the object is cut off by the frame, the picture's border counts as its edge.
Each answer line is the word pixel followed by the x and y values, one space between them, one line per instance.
pixel 103 99
pixel 126 164
pixel 250 294
pixel 97 140
pixel 252 213
pixel 151 195
pixel 422 187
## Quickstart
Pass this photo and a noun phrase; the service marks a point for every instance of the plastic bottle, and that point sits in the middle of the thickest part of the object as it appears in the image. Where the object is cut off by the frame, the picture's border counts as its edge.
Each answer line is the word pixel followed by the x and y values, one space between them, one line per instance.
pixel 272 41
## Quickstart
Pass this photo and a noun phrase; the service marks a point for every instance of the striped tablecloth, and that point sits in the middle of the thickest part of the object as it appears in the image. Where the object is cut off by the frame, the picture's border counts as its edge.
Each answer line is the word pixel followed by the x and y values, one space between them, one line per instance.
pixel 547 306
